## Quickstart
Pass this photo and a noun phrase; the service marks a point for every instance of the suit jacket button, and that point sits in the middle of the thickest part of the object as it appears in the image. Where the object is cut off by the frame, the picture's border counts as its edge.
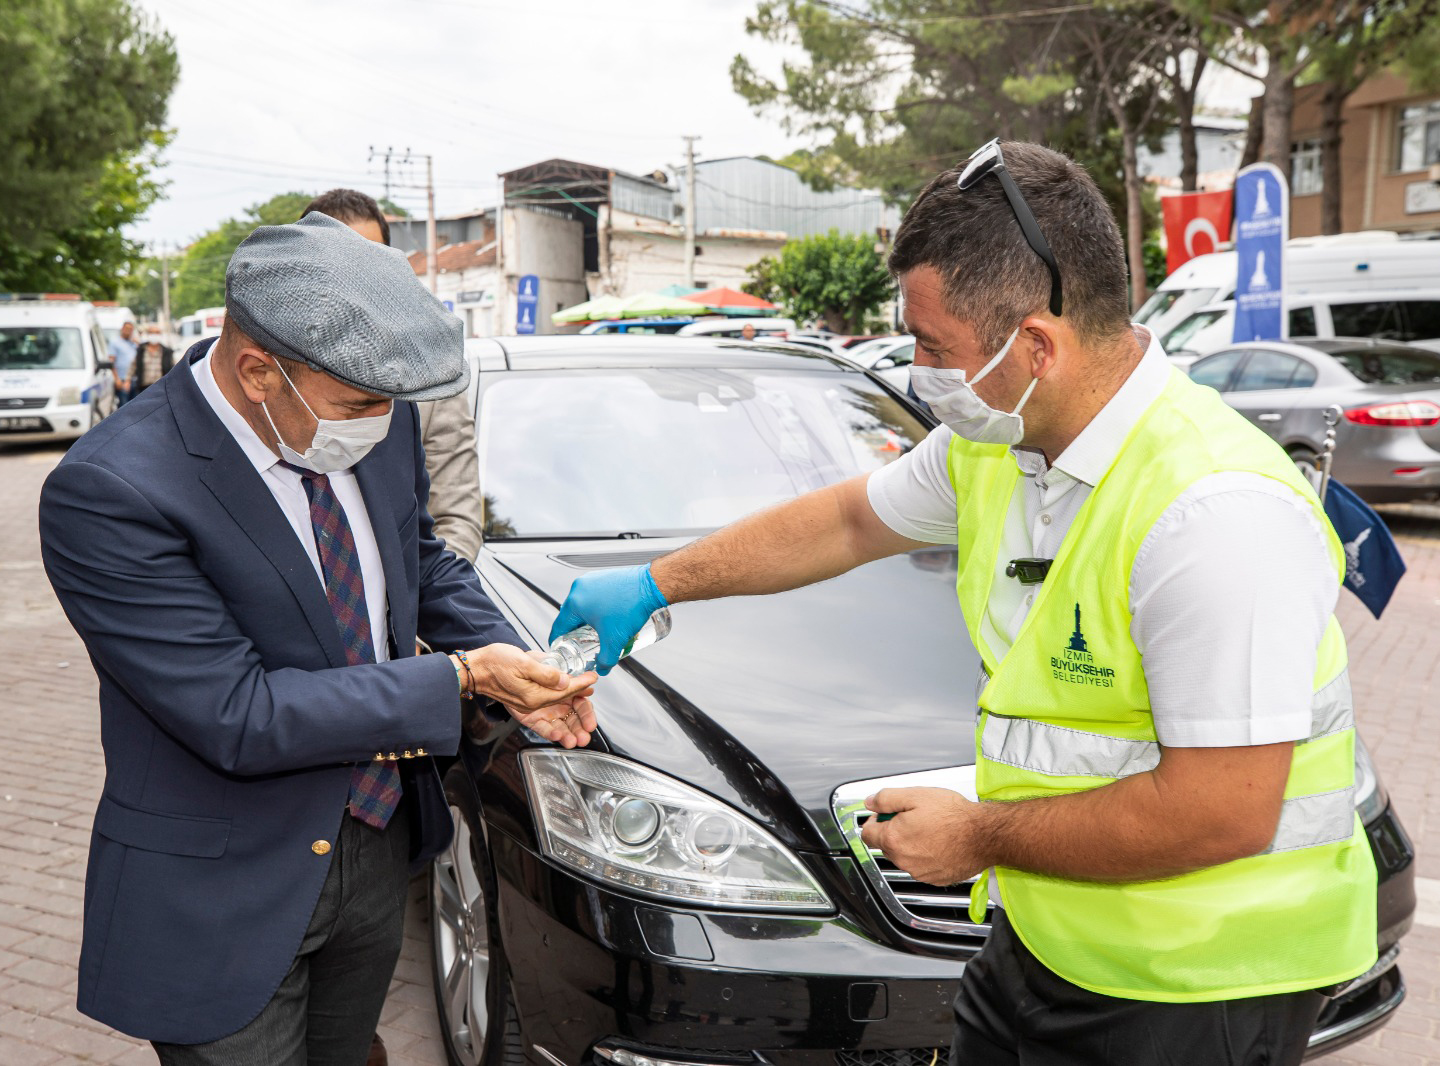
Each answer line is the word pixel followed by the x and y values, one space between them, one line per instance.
pixel 321 847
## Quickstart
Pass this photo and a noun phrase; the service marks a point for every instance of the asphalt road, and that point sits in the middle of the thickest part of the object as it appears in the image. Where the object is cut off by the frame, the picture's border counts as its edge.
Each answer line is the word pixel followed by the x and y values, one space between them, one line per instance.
pixel 51 775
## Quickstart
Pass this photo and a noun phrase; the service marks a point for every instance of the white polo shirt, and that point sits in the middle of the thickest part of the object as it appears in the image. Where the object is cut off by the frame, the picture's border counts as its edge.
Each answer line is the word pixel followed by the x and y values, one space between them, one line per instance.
pixel 288 488
pixel 1230 592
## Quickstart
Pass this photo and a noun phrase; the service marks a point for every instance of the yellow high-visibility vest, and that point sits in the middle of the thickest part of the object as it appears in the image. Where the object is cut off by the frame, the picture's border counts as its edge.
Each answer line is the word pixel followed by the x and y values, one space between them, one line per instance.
pixel 1067 709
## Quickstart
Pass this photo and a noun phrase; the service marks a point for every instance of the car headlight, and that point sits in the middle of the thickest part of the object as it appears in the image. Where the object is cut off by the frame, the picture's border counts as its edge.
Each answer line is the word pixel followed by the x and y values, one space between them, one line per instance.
pixel 68 397
pixel 641 831
pixel 1370 796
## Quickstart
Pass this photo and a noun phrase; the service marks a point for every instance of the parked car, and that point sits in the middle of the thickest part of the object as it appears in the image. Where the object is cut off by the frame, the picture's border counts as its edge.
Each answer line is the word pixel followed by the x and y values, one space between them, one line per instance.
pixel 691 889
pixel 890 357
pixel 732 327
pixel 1387 442
pixel 815 344
pixel 1351 262
pixel 206 322
pixel 1405 315
pixel 56 377
pixel 638 325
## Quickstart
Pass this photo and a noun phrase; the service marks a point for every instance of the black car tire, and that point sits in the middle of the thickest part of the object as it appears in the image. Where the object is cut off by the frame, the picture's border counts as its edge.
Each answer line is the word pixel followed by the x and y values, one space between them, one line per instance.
pixel 1305 459
pixel 462 894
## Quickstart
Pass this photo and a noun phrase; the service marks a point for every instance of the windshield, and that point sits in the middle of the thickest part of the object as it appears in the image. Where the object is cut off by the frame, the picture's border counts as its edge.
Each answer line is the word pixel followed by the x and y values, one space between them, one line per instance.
pixel 1158 304
pixel 1390 366
pixel 1163 300
pixel 657 452
pixel 40 348
pixel 1181 336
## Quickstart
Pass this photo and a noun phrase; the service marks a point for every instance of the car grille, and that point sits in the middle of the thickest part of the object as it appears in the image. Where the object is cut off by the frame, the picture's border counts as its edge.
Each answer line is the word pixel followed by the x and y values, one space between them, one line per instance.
pixel 910 1056
pixel 22 403
pixel 942 909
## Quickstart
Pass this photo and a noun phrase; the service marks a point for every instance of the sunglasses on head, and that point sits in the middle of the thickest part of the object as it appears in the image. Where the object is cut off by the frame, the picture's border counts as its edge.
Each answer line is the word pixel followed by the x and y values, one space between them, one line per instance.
pixel 987 159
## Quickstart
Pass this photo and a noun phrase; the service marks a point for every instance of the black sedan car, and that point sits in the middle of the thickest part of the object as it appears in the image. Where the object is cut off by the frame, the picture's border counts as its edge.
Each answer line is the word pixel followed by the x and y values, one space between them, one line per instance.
pixel 691 888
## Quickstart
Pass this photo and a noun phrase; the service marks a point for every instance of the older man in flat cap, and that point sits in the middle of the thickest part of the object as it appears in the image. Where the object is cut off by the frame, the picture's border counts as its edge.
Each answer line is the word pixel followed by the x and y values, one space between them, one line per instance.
pixel 249 583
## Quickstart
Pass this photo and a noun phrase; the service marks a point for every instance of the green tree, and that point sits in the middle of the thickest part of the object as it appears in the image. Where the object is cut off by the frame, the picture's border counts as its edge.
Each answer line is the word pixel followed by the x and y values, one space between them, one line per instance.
pixel 90 255
pixel 891 91
pixel 840 281
pixel 1366 39
pixel 85 84
pixel 200 273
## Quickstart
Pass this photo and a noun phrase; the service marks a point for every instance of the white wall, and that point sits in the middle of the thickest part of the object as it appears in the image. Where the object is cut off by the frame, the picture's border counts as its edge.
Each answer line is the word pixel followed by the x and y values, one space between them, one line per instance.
pixel 646 255
pixel 551 248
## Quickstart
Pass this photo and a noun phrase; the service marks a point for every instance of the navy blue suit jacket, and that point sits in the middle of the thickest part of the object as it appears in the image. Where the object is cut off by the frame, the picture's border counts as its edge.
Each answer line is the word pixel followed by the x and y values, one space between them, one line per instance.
pixel 228 715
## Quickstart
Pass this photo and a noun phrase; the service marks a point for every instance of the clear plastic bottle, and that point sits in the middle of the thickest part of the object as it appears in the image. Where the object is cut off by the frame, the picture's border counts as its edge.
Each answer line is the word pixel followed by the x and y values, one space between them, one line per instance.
pixel 575 652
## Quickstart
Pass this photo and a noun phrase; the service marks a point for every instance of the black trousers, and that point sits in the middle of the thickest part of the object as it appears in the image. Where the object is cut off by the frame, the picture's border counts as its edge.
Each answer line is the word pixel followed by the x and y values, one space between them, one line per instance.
pixel 1013 1011
pixel 325 1011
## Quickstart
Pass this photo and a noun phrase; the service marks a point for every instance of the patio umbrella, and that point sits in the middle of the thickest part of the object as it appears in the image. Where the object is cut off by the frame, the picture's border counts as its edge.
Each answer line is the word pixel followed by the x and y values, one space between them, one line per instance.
pixel 732 303
pixel 590 311
pixel 654 305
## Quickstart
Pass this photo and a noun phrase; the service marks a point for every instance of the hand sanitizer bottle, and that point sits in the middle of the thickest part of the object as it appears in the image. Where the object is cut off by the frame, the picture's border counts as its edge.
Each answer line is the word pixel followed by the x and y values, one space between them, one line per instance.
pixel 575 652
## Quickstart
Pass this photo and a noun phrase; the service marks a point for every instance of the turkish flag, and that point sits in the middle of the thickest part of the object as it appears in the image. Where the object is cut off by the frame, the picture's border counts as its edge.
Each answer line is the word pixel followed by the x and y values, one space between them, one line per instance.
pixel 1195 224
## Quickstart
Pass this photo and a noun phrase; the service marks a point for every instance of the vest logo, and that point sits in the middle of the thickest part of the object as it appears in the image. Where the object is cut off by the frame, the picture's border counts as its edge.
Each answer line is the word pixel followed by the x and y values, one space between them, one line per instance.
pixel 1076 665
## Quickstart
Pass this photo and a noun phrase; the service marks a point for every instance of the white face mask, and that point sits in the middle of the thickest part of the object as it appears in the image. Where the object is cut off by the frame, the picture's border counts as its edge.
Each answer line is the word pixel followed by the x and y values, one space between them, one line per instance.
pixel 955 402
pixel 339 443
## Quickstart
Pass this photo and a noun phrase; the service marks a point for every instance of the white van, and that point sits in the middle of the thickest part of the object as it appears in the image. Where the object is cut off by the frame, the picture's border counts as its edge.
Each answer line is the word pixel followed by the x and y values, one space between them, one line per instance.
pixel 111 317
pixel 55 370
pixel 206 322
pixel 1411 316
pixel 1374 259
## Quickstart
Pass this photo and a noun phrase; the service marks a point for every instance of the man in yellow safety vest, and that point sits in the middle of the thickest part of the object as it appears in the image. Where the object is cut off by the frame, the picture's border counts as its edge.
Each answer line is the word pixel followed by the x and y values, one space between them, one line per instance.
pixel 1165 740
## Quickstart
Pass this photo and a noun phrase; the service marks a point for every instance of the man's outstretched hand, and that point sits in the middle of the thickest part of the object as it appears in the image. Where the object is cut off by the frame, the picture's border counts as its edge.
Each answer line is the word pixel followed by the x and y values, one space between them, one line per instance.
pixel 617 603
pixel 540 697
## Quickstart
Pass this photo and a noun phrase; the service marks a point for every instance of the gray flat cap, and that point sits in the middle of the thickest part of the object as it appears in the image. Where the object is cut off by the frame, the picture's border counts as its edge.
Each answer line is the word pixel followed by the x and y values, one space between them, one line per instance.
pixel 318 292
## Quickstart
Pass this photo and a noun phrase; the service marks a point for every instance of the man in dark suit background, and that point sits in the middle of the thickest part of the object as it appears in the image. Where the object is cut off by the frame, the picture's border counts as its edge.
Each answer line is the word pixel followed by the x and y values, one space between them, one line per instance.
pixel 249 583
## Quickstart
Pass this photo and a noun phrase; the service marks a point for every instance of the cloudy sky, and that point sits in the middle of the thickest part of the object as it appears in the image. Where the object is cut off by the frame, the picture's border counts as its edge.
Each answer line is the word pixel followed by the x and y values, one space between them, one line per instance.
pixel 282 95
pixel 279 95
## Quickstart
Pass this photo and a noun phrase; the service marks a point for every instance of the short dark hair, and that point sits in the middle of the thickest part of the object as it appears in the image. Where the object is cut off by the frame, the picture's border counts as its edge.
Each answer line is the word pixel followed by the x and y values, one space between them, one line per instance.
pixel 350 205
pixel 992 277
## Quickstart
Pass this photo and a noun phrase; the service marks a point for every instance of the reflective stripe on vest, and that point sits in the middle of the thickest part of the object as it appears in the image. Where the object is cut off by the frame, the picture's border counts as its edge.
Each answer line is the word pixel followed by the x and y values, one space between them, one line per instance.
pixel 1305 821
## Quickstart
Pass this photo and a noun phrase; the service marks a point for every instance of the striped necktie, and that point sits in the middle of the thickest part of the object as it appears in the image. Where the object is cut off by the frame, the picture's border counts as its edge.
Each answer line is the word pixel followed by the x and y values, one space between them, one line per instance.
pixel 374 786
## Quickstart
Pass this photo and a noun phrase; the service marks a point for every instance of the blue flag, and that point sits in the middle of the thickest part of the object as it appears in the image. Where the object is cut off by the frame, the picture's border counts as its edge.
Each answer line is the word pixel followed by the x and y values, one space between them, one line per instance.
pixel 1373 566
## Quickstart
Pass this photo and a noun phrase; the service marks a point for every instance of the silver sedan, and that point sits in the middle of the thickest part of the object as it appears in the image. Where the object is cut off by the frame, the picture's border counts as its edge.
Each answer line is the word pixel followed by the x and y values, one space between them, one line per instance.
pixel 1387 444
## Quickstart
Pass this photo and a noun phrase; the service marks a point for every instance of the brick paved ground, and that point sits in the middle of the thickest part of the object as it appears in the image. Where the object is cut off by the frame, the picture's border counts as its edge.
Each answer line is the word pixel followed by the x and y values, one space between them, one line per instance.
pixel 52 777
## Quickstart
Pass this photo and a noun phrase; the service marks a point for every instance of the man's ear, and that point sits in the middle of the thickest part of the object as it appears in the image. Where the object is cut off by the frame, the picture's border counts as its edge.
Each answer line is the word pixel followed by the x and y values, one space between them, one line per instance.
pixel 259 379
pixel 1039 343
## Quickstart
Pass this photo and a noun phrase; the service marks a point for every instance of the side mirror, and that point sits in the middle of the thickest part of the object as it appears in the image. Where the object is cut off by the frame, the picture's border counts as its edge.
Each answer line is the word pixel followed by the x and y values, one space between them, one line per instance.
pixel 105 364
pixel 885 362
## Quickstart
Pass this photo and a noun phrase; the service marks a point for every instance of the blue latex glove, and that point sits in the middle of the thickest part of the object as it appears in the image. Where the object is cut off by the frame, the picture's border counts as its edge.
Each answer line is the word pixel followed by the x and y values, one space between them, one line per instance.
pixel 617 603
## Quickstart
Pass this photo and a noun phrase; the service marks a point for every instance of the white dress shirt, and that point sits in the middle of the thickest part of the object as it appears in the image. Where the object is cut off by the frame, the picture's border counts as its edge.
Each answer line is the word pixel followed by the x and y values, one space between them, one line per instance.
pixel 1230 592
pixel 288 488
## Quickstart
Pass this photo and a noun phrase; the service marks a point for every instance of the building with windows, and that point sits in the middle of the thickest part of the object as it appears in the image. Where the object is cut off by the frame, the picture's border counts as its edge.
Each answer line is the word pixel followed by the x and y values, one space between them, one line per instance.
pixel 1389 159
pixel 588 231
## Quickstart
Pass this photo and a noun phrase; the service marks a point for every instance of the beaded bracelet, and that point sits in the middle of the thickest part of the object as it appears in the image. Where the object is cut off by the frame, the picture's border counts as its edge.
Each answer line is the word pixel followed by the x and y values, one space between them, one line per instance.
pixel 469 676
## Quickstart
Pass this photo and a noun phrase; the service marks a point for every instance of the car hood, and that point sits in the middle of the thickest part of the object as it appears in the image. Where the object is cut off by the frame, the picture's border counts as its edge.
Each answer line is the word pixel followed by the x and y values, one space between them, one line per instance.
pixel 772 702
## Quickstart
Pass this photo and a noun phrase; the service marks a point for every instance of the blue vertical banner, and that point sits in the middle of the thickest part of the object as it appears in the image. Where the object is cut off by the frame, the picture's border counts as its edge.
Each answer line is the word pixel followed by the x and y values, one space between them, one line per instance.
pixel 1262 226
pixel 527 299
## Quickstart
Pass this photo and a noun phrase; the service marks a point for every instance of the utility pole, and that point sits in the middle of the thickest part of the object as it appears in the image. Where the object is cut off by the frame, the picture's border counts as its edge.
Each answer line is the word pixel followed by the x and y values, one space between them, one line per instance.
pixel 432 272
pixel 690 210
pixel 386 157
pixel 165 291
